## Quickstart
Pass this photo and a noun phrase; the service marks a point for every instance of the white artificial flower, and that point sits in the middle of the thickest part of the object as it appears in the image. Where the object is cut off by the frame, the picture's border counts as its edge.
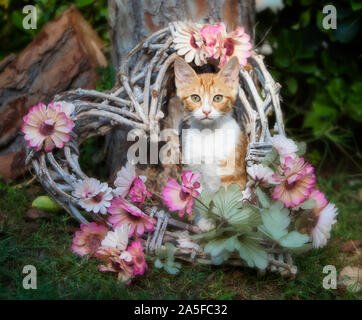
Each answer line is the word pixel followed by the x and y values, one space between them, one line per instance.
pixel 285 147
pixel 65 107
pixel 94 195
pixel 185 242
pixel 321 231
pixel 125 178
pixel 117 239
pixel 188 43
pixel 262 174
pixel 206 225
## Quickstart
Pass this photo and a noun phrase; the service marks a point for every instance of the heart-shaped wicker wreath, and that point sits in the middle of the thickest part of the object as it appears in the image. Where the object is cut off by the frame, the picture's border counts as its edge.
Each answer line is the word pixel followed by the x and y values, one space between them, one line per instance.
pixel 137 101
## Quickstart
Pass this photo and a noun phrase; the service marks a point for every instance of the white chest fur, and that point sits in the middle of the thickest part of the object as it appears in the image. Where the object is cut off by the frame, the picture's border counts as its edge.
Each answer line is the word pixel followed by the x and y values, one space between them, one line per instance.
pixel 204 147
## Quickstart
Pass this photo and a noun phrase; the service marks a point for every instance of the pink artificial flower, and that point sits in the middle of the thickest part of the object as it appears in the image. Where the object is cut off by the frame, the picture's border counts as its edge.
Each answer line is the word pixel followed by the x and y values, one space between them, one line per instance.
pixel 46 126
pixel 210 33
pixel 237 43
pixel 324 218
pixel 320 199
pixel 321 231
pixel 125 180
pixel 212 36
pixel 223 46
pixel 114 263
pixel 63 106
pixel 286 147
pixel 138 191
pixel 138 258
pixel 261 174
pixel 124 212
pixel 296 180
pixel 180 197
pixel 89 238
pixel 189 180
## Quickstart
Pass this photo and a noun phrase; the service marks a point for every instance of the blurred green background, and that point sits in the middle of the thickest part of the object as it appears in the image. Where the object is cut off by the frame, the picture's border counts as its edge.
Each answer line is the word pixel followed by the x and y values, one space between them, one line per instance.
pixel 319 70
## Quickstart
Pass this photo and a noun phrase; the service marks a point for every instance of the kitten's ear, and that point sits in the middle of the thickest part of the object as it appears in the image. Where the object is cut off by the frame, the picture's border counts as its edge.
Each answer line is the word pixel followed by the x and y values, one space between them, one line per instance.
pixel 184 74
pixel 229 73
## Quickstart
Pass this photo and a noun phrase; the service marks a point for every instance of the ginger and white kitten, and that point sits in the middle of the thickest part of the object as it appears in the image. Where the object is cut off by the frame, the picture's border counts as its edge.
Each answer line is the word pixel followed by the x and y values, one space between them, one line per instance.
pixel 208 100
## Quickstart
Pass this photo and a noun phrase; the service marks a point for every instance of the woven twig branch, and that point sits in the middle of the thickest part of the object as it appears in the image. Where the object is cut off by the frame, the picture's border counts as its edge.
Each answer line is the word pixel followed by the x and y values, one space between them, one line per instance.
pixel 136 102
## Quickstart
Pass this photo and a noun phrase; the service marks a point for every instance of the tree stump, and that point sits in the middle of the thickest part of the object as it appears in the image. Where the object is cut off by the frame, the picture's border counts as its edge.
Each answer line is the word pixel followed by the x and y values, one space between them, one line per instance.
pixel 64 55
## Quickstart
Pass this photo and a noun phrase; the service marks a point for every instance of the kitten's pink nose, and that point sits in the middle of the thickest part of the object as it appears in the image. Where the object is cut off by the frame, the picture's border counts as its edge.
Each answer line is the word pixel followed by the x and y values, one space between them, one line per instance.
pixel 206 113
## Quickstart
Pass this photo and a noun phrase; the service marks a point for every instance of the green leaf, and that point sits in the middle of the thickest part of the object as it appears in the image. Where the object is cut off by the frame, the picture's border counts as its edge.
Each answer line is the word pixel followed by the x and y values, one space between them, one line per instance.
pixel 282 59
pixel 227 202
pixel 302 249
pixel 294 239
pixel 271 157
pixel 354 101
pixel 206 235
pixel 249 216
pixel 217 260
pixel 158 264
pixel 263 199
pixel 308 204
pixel 305 18
pixel 356 5
pixel 306 2
pixel 337 91
pixel 292 84
pixel 252 253
pixel 46 203
pixel 275 221
pixel 83 3
pixel 205 198
pixel 165 259
pixel 216 246
pixel 17 19
pixel 232 244
pixel 347 29
pixel 173 269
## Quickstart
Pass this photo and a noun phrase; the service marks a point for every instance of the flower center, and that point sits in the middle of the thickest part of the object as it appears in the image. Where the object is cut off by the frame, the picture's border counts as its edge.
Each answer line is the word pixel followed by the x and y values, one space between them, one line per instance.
pixel 46 129
pixel 229 46
pixel 133 218
pixel 139 259
pixel 290 186
pixel 183 195
pixel 196 185
pixel 97 198
pixel 193 42
pixel 94 243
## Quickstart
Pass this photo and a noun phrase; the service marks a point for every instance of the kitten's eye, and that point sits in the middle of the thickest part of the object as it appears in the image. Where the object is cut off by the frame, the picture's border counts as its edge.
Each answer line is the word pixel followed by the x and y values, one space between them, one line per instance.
pixel 218 98
pixel 195 98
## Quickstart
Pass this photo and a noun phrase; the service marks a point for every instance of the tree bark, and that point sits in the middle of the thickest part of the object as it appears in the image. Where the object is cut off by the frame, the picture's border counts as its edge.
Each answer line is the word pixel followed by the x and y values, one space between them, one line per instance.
pixel 64 55
pixel 130 21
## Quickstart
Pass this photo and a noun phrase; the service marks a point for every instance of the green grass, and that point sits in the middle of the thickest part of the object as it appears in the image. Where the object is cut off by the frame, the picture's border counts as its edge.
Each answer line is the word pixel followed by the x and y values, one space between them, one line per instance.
pixel 63 275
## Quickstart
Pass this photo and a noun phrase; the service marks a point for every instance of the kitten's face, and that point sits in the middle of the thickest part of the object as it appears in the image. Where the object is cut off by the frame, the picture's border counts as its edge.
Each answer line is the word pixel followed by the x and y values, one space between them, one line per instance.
pixel 207 97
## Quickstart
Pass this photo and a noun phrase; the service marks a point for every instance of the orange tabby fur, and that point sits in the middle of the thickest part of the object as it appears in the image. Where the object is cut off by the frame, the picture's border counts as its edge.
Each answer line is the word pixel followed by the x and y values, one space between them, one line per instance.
pixel 207 86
